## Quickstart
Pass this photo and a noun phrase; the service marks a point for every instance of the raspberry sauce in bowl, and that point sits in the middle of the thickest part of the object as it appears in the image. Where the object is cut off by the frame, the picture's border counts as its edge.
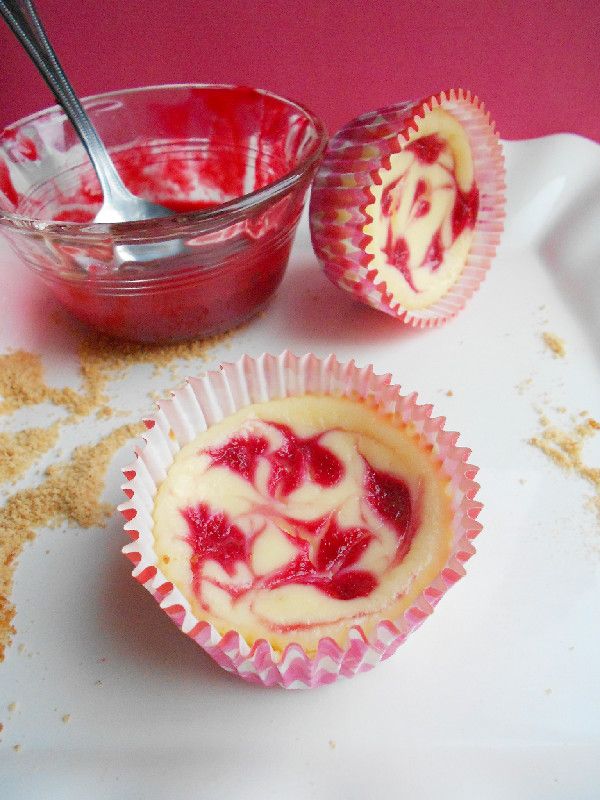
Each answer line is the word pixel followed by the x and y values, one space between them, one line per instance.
pixel 233 163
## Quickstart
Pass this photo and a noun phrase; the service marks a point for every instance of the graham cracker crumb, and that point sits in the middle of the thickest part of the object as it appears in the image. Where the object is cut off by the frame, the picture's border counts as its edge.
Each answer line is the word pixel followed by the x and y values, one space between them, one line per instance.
pixel 22 384
pixel 332 744
pixel 17 748
pixel 69 492
pixel 12 707
pixel 449 393
pixel 100 359
pixel 66 718
pixel 565 448
pixel 18 451
pixel 554 343
pixel 522 386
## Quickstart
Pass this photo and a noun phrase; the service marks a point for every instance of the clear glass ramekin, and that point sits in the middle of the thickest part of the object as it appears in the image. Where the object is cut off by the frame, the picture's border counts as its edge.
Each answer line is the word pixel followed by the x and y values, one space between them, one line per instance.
pixel 233 162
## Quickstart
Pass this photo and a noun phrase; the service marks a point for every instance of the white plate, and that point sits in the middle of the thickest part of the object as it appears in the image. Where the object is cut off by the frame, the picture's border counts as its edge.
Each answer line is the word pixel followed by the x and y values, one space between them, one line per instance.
pixel 496 696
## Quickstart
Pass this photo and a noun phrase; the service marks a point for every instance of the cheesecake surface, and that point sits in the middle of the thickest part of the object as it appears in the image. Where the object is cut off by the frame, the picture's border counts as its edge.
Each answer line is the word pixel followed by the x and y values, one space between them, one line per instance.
pixel 423 212
pixel 297 519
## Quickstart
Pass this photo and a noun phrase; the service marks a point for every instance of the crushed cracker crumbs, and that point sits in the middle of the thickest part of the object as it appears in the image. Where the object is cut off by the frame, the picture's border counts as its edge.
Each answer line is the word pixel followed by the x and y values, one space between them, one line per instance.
pixel 22 384
pixel 554 343
pixel 100 359
pixel 332 744
pixel 19 450
pixel 66 718
pixel 565 448
pixel 69 491
pixel 523 385
pixel 17 748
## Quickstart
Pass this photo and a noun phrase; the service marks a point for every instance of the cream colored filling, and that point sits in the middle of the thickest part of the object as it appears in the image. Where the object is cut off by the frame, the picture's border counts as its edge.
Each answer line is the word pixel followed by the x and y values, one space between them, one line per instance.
pixel 418 232
pixel 298 612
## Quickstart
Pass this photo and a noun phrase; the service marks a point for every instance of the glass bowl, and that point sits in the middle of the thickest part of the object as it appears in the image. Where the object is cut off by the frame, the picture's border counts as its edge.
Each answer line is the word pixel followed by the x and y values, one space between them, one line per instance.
pixel 234 163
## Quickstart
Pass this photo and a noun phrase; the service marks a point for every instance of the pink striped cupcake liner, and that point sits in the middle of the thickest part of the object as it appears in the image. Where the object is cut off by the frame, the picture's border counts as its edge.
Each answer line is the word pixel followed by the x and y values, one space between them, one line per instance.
pixel 205 400
pixel 341 194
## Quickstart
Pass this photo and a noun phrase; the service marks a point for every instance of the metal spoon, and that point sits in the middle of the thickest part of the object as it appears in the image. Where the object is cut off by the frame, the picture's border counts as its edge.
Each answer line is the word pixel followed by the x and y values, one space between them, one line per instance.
pixel 119 204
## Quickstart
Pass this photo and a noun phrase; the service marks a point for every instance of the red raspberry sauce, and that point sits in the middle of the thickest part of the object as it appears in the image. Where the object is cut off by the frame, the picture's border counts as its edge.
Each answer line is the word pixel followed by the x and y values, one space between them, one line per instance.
pixel 427 149
pixel 228 276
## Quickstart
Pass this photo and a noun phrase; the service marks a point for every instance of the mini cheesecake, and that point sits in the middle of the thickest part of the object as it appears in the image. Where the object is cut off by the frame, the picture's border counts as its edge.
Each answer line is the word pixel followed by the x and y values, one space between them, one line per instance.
pixel 407 207
pixel 298 518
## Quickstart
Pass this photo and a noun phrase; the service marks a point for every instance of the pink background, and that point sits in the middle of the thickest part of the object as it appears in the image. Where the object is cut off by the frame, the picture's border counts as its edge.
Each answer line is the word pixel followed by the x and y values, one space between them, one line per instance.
pixel 534 63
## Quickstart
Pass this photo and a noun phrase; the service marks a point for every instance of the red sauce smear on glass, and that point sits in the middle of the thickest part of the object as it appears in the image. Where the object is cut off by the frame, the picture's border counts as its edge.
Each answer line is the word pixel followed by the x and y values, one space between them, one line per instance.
pixel 228 275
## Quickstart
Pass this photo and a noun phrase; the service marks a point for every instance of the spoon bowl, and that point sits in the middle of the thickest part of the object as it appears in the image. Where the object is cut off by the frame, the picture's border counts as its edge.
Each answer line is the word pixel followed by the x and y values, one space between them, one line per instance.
pixel 232 164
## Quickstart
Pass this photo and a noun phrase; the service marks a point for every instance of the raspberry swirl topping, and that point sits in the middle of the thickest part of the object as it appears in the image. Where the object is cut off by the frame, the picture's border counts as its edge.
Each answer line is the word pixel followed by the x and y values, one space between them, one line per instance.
pixel 424 212
pixel 292 531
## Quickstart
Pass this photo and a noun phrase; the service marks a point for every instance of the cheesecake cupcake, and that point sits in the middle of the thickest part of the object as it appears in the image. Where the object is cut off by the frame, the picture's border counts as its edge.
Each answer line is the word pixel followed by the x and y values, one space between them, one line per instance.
pixel 298 518
pixel 408 206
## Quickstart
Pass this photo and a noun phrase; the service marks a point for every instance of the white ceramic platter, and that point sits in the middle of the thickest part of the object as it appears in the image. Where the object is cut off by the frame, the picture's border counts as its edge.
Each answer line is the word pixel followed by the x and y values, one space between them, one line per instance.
pixel 496 696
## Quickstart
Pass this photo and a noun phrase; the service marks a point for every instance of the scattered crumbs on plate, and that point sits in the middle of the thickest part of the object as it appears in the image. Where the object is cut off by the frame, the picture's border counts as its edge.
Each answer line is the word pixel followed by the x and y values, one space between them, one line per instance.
pixel 66 718
pixel 565 449
pixel 12 707
pixel 17 748
pixel 71 492
pixel 100 360
pixel 18 451
pixel 332 744
pixel 554 343
pixel 22 384
pixel 68 491
pixel 449 393
pixel 523 385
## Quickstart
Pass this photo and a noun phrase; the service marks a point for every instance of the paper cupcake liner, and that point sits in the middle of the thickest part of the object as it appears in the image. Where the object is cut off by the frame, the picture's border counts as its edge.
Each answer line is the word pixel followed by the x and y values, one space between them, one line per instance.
pixel 341 193
pixel 203 401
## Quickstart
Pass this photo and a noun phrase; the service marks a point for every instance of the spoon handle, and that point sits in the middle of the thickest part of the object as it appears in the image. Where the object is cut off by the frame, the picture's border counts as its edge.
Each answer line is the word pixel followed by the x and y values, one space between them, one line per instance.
pixel 21 17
